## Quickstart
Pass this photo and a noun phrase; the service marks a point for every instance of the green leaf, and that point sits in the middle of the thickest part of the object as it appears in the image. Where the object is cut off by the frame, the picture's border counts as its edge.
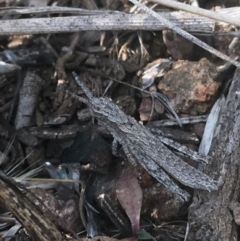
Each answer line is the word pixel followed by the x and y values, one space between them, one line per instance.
pixel 143 235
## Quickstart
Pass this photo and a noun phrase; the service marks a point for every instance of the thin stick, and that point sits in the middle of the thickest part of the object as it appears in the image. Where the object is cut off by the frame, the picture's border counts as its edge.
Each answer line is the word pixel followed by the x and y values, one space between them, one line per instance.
pixel 51 180
pixel 185 34
pixel 51 10
pixel 198 11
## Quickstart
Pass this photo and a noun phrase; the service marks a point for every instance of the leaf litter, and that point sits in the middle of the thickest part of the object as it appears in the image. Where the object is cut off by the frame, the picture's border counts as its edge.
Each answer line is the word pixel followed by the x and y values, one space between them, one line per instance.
pixel 40 123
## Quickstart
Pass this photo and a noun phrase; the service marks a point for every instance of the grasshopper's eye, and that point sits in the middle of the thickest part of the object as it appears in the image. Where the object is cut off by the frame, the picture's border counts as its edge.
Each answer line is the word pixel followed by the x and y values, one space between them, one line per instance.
pixel 130 123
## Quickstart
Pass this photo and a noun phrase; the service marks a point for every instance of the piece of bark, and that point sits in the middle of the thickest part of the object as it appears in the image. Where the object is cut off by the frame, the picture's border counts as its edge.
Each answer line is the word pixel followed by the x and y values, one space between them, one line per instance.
pixel 210 216
pixel 39 227
pixel 29 93
pixel 63 213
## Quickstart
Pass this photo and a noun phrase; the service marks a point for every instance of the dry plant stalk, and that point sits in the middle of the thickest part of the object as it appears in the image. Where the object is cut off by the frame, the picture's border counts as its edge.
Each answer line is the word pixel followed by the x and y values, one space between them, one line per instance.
pixel 104 21
pixel 74 24
pixel 199 11
pixel 185 34
pixel 39 227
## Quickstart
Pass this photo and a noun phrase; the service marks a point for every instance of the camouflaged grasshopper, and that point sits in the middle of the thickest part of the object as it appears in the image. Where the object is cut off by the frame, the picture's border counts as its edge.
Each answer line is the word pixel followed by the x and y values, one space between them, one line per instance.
pixel 140 145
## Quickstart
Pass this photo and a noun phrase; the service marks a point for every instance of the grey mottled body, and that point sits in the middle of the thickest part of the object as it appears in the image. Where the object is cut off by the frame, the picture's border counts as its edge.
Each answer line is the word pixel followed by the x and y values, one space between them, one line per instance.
pixel 141 145
pixel 180 148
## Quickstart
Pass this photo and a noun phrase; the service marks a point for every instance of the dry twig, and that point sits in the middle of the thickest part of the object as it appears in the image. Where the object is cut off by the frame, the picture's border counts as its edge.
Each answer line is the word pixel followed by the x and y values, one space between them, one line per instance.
pixel 185 34
pixel 199 11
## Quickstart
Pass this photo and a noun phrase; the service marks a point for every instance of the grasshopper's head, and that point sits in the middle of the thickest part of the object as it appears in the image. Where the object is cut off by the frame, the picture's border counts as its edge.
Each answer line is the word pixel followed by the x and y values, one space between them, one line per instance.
pixel 103 107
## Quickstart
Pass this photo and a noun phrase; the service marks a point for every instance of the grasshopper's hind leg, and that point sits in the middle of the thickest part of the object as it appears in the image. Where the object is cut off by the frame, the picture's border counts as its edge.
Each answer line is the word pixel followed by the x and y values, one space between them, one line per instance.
pixel 128 154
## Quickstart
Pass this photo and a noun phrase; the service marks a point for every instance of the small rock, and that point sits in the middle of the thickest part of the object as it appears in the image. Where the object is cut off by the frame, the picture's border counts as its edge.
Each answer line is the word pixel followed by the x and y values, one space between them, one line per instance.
pixel 146 110
pixel 190 86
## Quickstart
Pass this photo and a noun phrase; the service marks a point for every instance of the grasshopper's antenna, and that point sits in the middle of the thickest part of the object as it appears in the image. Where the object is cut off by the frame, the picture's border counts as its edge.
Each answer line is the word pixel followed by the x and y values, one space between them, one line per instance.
pixel 84 88
pixel 81 99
